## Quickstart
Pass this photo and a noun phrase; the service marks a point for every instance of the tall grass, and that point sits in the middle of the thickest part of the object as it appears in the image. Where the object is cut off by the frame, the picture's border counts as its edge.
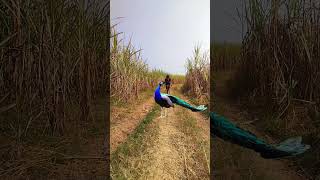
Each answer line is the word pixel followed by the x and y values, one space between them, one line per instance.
pixel 280 66
pixel 197 78
pixel 280 57
pixel 54 64
pixel 128 70
pixel 225 56
pixel 53 55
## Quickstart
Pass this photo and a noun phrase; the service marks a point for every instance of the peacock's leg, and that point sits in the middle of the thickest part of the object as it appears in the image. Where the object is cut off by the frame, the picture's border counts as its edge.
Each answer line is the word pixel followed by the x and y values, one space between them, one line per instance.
pixel 161 112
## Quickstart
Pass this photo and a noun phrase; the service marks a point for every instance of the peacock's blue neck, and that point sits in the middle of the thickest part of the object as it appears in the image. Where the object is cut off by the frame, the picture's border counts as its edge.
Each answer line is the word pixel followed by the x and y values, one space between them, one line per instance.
pixel 157 94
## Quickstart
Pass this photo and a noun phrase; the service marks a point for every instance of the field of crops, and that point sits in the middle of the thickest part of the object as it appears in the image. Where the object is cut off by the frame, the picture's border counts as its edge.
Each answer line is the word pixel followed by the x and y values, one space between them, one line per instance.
pixel 276 70
pixel 54 68
pixel 226 56
pixel 197 78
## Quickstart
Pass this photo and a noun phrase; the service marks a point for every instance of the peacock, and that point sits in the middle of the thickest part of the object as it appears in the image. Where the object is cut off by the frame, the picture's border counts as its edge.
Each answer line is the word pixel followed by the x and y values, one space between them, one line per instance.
pixel 224 129
pixel 168 101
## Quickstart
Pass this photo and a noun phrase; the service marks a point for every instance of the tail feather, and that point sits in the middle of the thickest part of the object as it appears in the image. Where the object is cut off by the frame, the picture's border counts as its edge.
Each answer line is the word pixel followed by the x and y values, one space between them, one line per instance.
pixel 226 130
pixel 183 103
pixel 293 145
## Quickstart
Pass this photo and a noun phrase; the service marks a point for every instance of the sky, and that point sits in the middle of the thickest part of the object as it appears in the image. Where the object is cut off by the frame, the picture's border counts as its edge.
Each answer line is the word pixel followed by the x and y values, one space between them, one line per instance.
pixel 167 31
pixel 226 24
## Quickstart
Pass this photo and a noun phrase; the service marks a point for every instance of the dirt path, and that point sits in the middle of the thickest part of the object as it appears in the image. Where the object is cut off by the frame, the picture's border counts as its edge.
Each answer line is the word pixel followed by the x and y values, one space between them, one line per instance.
pixel 166 156
pixel 178 146
pixel 234 162
pixel 125 120
pixel 173 147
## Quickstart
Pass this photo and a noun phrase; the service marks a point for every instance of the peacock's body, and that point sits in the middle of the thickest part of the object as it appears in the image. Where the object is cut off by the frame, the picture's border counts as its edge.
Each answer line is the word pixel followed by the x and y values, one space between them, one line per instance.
pixel 168 101
pixel 224 129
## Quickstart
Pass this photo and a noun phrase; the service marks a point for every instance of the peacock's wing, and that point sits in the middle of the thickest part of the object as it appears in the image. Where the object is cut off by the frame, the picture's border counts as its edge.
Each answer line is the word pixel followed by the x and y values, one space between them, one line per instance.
pixel 226 130
pixel 183 103
pixel 167 99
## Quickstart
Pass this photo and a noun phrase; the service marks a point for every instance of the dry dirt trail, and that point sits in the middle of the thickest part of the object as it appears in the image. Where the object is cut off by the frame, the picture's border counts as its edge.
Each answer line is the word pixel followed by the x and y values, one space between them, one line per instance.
pixel 166 156
pixel 173 147
pixel 181 145
pixel 125 120
pixel 234 162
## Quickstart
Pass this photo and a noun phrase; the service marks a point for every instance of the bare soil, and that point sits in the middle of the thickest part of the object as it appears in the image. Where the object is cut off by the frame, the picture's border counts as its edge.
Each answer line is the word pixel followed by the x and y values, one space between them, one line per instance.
pixel 125 120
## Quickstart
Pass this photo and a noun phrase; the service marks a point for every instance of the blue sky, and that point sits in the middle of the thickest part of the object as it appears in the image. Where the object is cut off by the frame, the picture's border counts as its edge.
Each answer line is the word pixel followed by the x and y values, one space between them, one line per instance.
pixel 166 30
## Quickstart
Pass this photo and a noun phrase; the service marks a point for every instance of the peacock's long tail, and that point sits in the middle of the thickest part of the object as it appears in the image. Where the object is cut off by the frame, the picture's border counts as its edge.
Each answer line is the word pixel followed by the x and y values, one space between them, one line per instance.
pixel 224 129
pixel 183 103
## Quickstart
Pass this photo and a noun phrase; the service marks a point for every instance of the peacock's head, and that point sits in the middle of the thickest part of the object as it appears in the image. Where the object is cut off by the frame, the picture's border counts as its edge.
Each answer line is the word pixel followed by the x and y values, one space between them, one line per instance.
pixel 161 83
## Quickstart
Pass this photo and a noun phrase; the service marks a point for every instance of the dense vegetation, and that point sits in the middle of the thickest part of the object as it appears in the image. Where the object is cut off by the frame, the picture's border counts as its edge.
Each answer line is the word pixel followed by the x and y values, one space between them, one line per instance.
pixel 197 78
pixel 226 56
pixel 276 74
pixel 54 67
